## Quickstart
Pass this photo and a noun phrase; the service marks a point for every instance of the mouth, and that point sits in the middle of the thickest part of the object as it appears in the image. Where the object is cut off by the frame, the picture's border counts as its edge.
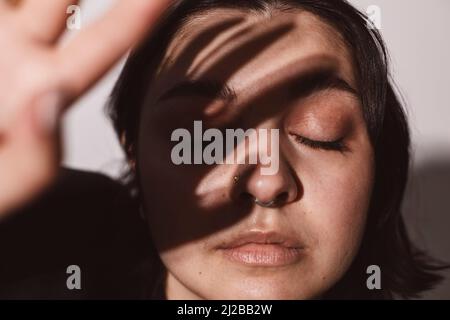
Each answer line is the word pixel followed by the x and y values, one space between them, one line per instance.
pixel 263 249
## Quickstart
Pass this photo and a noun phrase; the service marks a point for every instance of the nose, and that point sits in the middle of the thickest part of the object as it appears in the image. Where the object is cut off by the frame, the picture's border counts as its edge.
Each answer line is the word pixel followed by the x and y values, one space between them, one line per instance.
pixel 272 190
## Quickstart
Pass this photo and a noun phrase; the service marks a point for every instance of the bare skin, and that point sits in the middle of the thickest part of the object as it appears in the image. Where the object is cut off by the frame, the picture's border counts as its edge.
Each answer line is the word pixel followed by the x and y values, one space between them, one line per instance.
pixel 326 192
pixel 40 78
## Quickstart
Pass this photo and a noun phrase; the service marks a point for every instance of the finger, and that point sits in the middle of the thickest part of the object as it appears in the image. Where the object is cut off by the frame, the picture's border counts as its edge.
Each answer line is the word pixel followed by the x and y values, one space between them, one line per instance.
pixel 90 54
pixel 44 19
pixel 29 159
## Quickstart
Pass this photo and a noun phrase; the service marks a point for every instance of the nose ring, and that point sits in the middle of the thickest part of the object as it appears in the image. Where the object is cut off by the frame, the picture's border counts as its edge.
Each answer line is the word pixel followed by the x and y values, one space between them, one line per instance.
pixel 269 204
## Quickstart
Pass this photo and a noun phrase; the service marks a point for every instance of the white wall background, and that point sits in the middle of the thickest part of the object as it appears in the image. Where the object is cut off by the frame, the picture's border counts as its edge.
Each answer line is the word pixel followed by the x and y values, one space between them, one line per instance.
pixel 417 34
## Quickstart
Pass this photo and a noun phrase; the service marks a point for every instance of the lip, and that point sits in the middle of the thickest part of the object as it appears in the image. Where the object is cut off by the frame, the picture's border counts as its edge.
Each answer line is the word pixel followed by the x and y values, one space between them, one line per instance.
pixel 263 249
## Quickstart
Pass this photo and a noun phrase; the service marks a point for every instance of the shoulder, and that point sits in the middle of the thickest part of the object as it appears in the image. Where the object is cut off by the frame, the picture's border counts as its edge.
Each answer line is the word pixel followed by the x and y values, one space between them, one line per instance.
pixel 84 219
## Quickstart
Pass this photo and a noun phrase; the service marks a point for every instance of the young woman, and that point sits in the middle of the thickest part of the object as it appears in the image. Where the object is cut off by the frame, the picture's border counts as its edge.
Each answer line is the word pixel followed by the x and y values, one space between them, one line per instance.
pixel 313 71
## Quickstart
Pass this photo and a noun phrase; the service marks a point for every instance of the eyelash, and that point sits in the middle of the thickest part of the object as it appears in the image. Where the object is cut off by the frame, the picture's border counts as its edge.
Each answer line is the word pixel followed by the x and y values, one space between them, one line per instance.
pixel 337 145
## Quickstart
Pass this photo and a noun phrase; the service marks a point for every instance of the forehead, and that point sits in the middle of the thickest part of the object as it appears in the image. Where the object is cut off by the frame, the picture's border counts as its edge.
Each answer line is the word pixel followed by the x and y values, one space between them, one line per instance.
pixel 249 49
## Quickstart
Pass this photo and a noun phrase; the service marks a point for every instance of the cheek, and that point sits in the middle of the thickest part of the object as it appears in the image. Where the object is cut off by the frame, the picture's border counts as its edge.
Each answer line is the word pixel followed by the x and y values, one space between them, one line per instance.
pixel 177 211
pixel 336 199
pixel 163 185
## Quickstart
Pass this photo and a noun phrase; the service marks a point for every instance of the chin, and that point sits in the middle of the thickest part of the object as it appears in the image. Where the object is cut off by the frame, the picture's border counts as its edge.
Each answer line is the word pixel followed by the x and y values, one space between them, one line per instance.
pixel 247 289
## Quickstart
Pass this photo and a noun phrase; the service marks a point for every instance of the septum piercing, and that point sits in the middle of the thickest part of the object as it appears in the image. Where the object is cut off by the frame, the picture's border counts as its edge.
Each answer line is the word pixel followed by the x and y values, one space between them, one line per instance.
pixel 256 201
pixel 265 204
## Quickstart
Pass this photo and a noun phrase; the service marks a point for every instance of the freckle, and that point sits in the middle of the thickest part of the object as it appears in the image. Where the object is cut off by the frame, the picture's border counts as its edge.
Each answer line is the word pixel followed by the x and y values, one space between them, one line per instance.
pixel 199 273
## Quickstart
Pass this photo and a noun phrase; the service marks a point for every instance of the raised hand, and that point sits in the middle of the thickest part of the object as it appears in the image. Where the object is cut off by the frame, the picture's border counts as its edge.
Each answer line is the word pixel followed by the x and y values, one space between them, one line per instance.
pixel 40 78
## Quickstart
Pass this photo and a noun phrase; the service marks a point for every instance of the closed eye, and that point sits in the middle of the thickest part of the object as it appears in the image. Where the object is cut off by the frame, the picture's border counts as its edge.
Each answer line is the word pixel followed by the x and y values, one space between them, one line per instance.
pixel 337 145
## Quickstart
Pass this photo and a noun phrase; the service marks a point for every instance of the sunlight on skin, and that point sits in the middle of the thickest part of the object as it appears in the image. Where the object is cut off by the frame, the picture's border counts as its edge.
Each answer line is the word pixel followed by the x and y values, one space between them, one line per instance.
pixel 328 192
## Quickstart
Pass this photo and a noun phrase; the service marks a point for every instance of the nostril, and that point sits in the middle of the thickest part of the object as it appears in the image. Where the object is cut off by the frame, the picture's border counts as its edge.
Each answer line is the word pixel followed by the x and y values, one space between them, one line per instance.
pixel 245 200
pixel 282 198
pixel 246 197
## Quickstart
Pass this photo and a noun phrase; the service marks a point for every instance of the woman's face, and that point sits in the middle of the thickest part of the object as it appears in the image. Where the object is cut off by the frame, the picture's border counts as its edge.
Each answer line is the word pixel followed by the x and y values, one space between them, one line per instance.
pixel 286 71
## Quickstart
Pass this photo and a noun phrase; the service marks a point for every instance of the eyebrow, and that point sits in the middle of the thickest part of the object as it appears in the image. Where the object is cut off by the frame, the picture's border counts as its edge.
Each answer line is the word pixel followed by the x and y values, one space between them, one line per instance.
pixel 319 80
pixel 300 86
pixel 200 88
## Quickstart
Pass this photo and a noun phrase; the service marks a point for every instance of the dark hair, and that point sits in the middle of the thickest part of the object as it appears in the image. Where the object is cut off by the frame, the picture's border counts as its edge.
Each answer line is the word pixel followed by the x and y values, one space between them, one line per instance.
pixel 406 271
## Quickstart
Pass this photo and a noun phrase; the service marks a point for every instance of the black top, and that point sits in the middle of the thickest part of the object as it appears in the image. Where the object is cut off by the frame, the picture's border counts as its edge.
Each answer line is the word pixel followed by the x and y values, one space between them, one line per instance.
pixel 83 219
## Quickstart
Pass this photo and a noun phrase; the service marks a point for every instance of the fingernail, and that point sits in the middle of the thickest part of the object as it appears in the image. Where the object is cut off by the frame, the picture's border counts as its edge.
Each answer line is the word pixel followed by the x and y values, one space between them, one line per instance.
pixel 47 112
